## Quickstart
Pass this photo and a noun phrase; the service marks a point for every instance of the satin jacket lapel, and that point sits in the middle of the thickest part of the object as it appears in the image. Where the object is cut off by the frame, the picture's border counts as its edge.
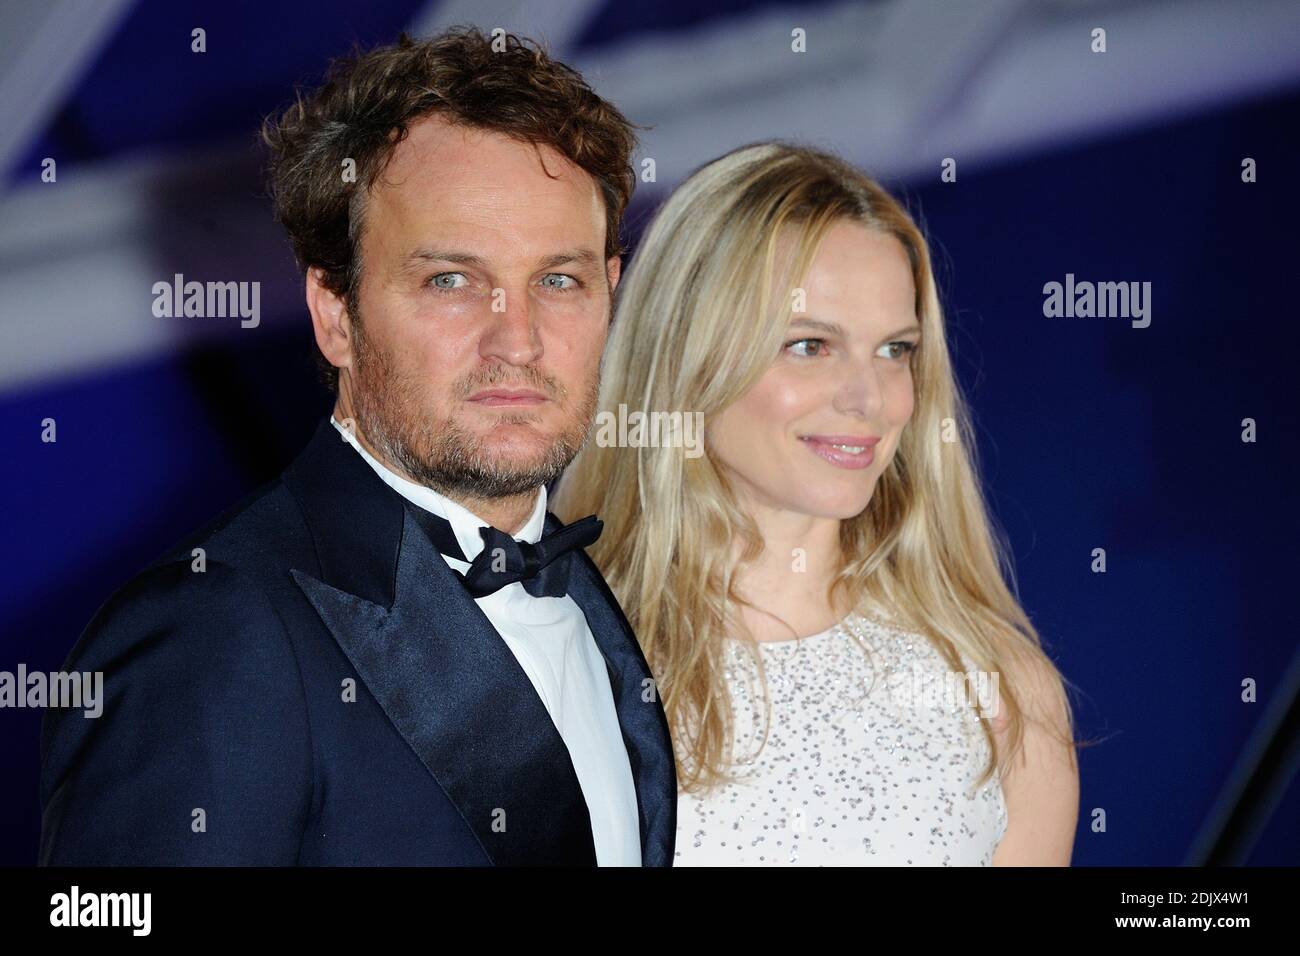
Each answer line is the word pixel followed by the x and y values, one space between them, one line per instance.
pixel 640 713
pixel 437 666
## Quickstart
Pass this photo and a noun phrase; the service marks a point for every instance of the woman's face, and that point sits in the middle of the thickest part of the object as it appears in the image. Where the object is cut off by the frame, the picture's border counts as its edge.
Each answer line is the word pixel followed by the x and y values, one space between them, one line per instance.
pixel 843 378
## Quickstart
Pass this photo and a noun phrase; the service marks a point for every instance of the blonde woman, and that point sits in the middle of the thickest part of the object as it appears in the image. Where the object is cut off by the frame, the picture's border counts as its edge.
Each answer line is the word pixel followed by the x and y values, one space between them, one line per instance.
pixel 847 674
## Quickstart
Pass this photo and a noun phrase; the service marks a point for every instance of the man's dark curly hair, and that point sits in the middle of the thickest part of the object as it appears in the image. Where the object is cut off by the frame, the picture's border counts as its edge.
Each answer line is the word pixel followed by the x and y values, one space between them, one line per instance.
pixel 365 105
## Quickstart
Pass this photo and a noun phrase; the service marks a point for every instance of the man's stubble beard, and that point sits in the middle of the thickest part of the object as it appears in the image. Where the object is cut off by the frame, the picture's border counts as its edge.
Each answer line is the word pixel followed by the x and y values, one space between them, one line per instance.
pixel 439 453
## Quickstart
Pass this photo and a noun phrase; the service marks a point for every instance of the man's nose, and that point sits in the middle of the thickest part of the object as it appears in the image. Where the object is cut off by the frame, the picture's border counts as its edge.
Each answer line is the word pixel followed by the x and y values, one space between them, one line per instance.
pixel 511 334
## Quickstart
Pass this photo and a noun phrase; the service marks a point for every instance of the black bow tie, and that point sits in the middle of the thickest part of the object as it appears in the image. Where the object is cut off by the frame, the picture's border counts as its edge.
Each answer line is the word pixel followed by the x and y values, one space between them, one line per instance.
pixel 542 567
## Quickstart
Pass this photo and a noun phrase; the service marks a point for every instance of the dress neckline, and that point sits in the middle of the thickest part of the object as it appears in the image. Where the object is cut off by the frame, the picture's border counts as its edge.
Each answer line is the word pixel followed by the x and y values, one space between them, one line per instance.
pixel 794 641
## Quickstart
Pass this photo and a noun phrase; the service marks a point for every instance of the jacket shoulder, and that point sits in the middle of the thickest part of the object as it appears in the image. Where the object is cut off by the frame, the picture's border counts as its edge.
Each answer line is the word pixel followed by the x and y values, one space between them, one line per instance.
pixel 266 520
pixel 202 707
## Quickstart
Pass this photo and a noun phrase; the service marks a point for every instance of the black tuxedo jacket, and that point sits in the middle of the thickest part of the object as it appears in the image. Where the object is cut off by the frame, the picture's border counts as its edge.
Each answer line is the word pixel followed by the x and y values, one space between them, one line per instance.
pixel 324 691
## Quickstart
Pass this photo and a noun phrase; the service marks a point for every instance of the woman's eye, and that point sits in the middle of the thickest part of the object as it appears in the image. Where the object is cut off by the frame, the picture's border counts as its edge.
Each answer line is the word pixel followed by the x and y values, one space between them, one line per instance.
pixel 447 280
pixel 820 342
pixel 907 348
pixel 572 282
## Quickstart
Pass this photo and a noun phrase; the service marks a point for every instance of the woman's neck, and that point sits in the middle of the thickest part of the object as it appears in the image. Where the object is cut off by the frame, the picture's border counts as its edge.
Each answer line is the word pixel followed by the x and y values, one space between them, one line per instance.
pixel 787 582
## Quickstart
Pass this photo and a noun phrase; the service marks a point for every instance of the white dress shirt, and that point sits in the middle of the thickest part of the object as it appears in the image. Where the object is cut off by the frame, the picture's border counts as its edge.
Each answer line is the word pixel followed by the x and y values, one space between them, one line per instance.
pixel 554 646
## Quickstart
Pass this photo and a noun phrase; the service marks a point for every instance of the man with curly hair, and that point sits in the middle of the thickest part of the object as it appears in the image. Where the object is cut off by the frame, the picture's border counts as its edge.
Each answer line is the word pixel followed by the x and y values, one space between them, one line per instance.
pixel 393 654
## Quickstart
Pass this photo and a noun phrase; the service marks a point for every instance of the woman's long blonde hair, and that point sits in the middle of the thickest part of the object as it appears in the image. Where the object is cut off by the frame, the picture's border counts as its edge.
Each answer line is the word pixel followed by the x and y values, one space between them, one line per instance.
pixel 695 327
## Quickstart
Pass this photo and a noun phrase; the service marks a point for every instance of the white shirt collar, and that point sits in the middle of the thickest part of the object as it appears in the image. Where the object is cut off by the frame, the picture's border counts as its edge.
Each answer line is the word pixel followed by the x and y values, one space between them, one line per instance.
pixel 464 522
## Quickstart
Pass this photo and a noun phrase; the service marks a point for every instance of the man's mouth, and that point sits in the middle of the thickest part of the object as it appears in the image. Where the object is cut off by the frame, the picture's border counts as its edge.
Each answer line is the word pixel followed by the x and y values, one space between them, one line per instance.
pixel 508 396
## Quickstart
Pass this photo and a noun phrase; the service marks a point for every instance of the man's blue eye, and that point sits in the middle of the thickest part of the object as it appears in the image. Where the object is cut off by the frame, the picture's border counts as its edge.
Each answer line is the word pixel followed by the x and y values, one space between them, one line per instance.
pixel 560 275
pixel 438 281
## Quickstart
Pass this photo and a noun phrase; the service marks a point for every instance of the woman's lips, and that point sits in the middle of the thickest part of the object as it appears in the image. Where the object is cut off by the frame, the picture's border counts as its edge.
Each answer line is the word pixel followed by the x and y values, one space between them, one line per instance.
pixel 841 457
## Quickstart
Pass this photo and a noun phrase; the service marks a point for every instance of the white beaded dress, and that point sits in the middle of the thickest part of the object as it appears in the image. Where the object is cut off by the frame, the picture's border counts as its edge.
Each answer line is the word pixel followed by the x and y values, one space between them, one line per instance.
pixel 856 770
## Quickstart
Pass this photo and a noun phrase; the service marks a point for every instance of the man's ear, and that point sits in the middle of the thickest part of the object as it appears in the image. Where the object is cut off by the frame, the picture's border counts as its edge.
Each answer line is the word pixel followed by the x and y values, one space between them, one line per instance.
pixel 330 320
pixel 614 270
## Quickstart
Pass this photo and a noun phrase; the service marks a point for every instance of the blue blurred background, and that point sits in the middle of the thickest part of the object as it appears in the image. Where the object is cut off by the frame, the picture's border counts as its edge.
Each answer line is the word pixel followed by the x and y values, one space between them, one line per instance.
pixel 1117 166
